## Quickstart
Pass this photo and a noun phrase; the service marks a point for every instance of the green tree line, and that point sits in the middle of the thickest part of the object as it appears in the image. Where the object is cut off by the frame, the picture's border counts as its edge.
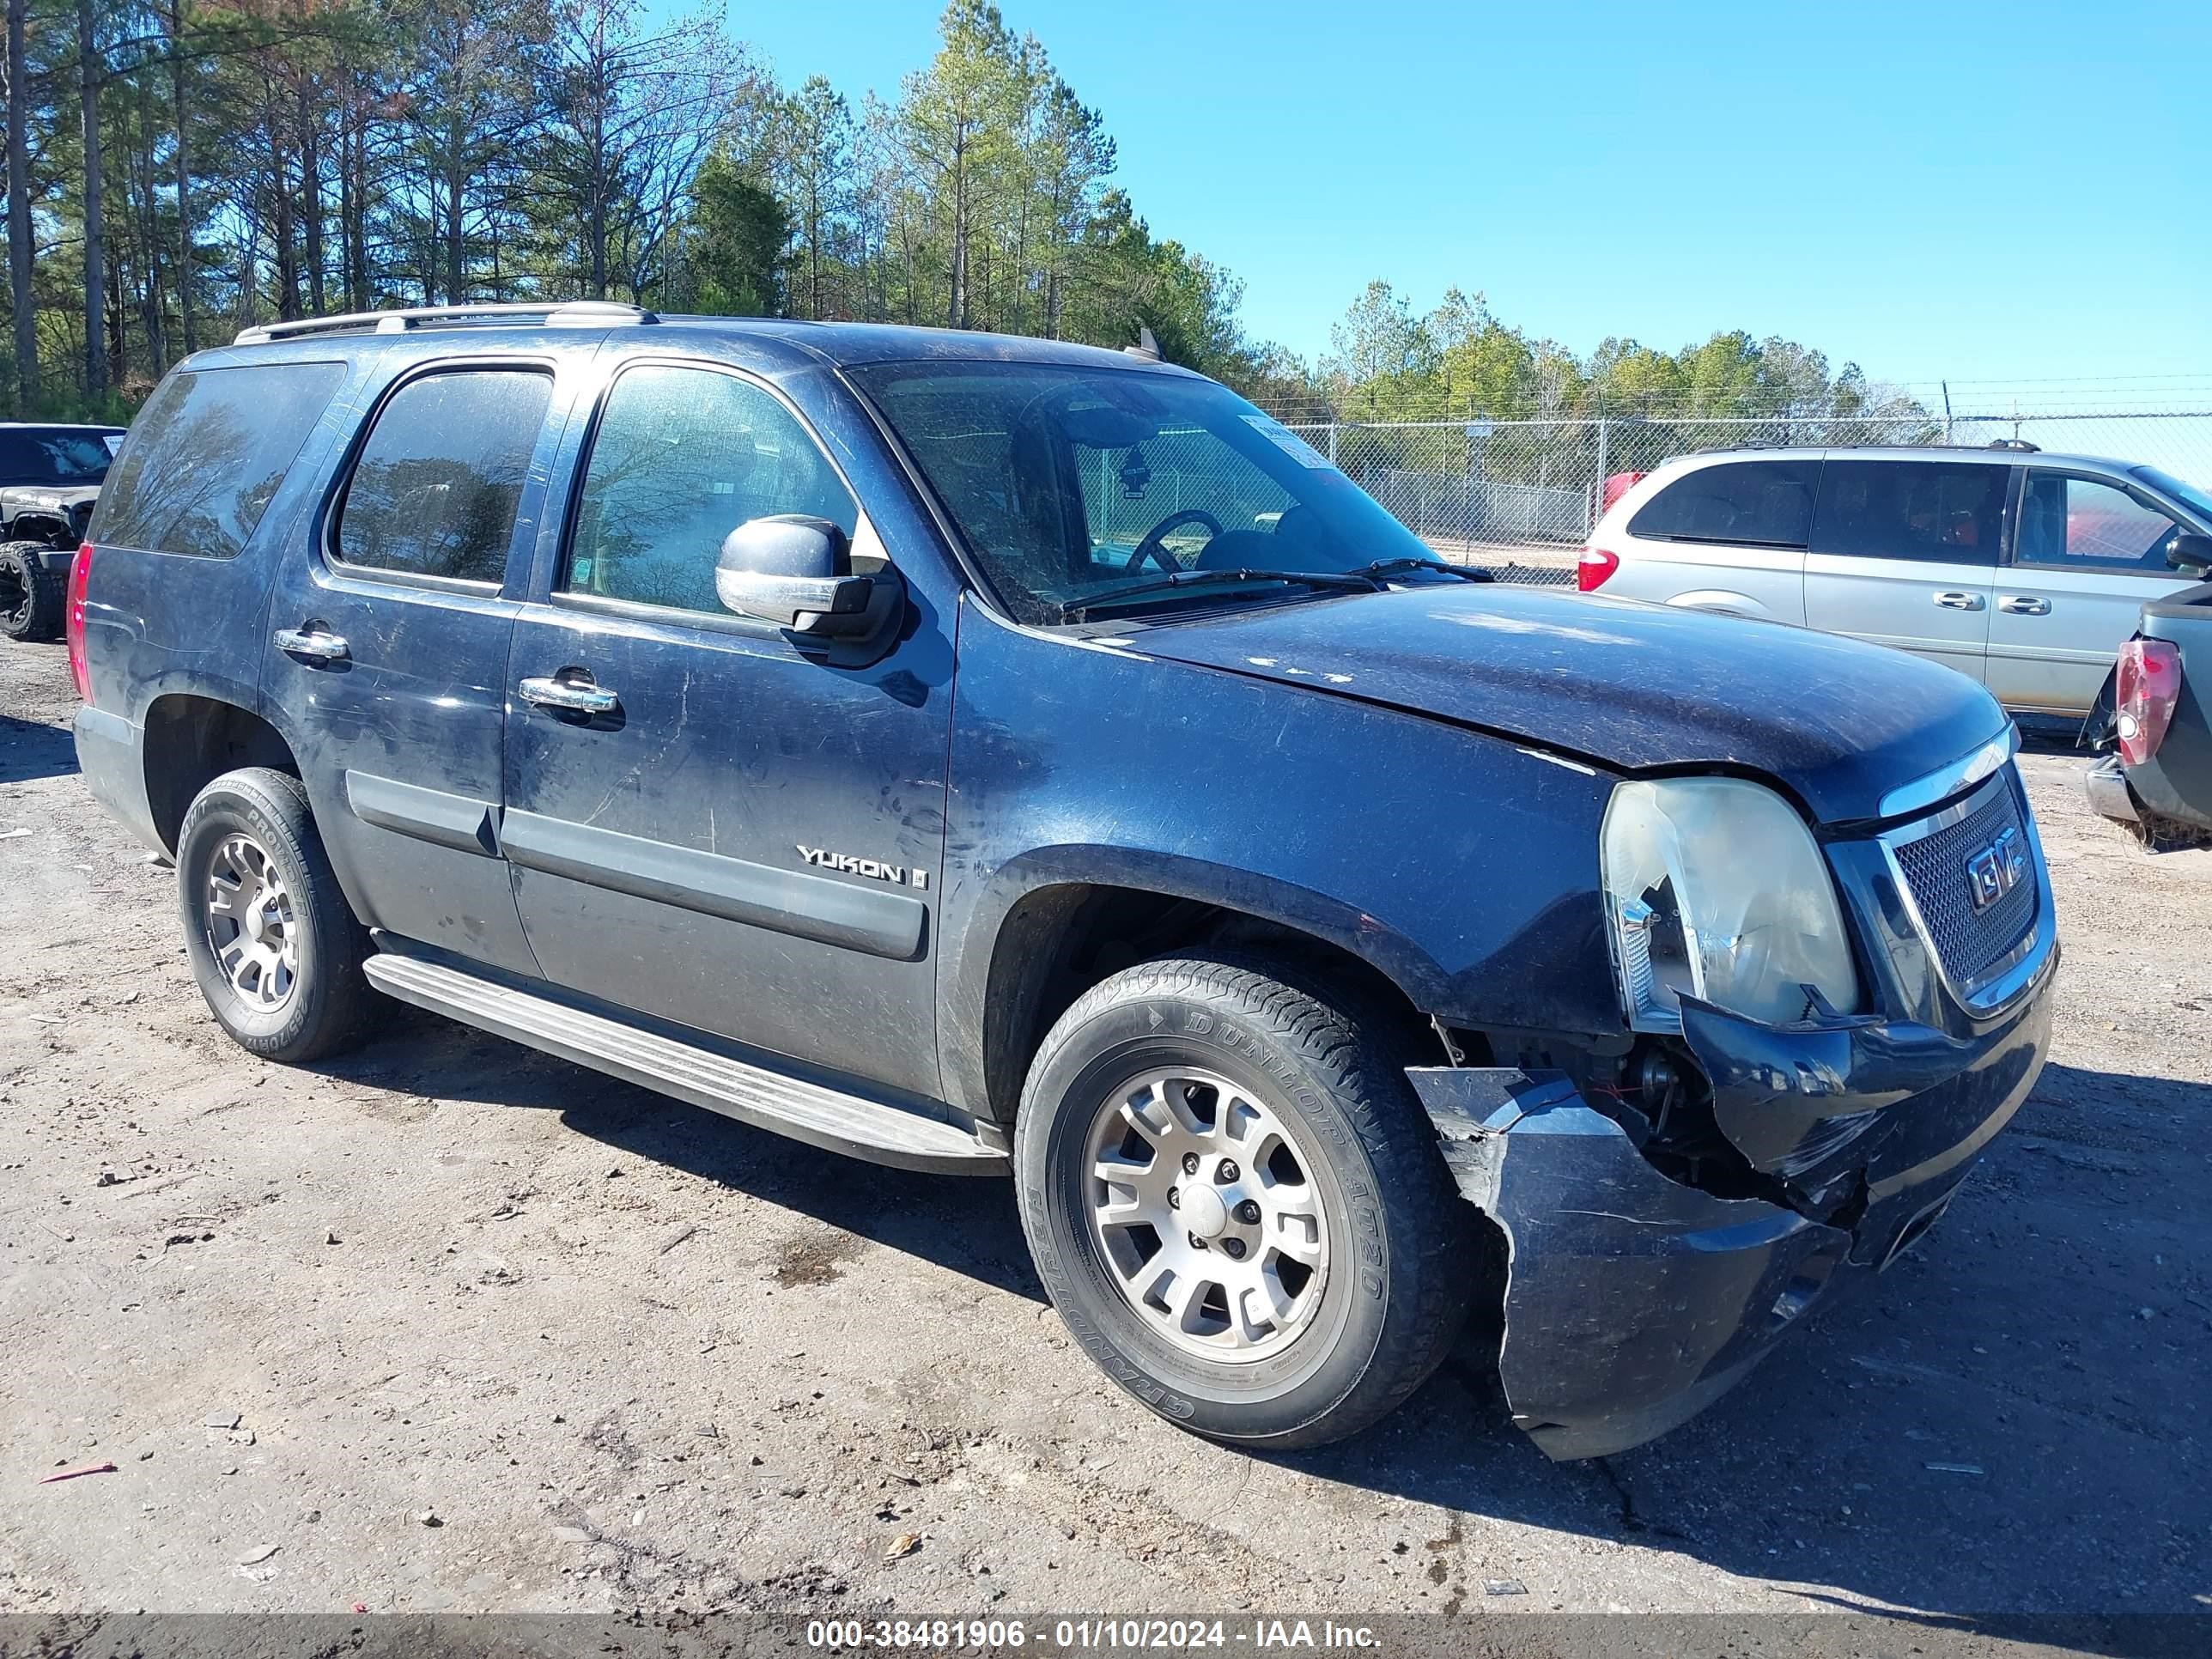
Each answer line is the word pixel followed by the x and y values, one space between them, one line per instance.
pixel 180 169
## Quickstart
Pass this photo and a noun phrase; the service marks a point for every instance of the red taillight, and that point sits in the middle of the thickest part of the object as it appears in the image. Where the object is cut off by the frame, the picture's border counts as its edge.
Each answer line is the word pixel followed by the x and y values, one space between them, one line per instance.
pixel 1595 566
pixel 73 621
pixel 2144 692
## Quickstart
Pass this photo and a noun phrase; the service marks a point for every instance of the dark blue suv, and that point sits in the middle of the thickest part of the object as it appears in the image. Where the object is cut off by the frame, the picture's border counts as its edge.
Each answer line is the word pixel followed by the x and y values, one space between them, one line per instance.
pixel 995 755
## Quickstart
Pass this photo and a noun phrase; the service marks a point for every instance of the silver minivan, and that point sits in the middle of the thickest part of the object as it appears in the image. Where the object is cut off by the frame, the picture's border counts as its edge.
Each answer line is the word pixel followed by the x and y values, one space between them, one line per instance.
pixel 2020 570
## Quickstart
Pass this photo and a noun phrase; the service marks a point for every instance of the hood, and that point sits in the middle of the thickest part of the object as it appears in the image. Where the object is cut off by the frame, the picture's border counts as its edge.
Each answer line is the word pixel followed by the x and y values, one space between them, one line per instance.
pixel 63 498
pixel 1629 685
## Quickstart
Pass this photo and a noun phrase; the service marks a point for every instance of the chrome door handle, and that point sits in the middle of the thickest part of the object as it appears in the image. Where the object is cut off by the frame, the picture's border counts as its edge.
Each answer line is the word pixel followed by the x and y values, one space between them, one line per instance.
pixel 1959 601
pixel 2024 605
pixel 569 697
pixel 312 643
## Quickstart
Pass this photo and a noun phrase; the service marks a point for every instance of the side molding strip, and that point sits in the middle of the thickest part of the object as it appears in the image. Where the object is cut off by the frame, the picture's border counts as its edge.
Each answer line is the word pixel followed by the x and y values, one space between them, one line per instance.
pixel 431 815
pixel 865 919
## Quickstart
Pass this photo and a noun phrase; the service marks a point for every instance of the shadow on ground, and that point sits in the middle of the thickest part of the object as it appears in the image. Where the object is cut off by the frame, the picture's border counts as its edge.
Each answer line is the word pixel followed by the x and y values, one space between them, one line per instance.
pixel 29 750
pixel 2007 1422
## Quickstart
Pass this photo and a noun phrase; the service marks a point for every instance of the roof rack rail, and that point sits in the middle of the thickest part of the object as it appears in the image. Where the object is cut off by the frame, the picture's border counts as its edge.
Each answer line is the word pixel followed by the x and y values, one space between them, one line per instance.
pixel 564 314
pixel 2022 445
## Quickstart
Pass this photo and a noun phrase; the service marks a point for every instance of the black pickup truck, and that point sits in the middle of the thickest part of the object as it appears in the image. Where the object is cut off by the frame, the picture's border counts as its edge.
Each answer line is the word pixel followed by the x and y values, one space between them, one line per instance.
pixel 50 477
pixel 1006 758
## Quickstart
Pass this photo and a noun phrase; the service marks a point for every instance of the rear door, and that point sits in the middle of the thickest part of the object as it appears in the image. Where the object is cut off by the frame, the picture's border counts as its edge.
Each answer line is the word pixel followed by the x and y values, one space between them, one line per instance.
pixel 2089 552
pixel 747 837
pixel 1905 553
pixel 1728 537
pixel 388 653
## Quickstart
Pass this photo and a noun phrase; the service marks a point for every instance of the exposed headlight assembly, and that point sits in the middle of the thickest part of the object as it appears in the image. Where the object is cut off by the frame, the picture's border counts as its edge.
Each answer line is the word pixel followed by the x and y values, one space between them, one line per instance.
pixel 1715 890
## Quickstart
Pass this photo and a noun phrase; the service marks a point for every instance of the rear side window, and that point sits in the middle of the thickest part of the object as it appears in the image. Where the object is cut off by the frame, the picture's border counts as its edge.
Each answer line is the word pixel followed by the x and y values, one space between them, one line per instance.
pixel 440 479
pixel 1945 513
pixel 1766 503
pixel 207 454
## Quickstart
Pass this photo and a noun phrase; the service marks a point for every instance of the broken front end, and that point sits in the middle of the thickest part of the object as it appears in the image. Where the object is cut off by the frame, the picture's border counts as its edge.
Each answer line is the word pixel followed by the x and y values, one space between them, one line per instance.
pixel 1795 1102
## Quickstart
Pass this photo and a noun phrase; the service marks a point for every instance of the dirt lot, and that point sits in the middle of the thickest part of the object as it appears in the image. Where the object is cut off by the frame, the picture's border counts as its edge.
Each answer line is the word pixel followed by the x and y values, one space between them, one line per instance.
pixel 497 1333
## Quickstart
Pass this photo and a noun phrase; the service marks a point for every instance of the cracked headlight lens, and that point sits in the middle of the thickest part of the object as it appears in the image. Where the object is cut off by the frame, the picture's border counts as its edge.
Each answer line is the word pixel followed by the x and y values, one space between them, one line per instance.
pixel 1715 890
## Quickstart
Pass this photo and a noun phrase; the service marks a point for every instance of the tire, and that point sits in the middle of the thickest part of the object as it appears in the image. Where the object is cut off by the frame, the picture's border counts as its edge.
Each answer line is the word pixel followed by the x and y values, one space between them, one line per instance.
pixel 31 596
pixel 1394 1280
pixel 298 993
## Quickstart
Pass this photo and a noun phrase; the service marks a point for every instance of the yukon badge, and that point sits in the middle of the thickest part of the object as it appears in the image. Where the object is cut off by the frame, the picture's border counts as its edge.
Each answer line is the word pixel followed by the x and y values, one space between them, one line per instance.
pixel 1995 870
pixel 898 875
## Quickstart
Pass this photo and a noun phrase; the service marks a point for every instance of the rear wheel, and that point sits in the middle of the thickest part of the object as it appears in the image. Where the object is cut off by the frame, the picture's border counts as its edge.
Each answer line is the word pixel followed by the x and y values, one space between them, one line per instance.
pixel 31 596
pixel 272 941
pixel 1236 1203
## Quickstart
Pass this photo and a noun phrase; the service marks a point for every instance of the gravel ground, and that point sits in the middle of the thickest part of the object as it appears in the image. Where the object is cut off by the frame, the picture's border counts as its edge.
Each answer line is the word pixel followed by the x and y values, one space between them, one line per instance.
pixel 448 1325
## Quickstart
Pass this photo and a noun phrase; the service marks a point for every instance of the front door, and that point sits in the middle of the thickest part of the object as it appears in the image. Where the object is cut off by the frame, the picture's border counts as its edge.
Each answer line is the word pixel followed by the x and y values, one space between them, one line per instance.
pixel 2089 554
pixel 1904 552
pixel 708 823
pixel 388 651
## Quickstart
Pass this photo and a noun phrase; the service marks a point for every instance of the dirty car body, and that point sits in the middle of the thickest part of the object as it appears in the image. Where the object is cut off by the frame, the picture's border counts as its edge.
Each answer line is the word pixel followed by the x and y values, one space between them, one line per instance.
pixel 1690 1098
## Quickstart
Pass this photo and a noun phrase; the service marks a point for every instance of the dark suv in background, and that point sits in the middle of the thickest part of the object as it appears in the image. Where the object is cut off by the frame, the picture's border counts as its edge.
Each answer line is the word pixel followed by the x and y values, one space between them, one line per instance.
pixel 1000 756
pixel 50 476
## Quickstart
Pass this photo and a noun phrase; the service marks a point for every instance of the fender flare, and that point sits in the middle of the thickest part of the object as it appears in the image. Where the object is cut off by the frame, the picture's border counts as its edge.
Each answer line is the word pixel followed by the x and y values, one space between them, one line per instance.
pixel 966 982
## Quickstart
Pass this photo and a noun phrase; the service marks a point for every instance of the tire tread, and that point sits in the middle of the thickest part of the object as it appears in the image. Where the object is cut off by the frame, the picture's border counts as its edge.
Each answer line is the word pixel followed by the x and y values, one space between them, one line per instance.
pixel 1356 1048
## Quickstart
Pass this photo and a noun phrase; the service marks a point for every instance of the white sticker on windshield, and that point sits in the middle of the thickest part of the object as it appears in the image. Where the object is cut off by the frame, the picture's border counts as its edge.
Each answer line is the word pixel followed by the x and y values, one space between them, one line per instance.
pixel 1286 441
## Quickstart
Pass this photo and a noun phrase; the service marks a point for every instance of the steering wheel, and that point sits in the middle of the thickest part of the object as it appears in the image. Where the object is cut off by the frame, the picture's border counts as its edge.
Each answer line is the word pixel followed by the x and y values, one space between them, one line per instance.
pixel 1152 545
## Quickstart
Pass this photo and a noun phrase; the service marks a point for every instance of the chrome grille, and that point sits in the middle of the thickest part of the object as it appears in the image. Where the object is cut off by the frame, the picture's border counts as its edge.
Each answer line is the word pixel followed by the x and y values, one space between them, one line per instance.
pixel 1969 942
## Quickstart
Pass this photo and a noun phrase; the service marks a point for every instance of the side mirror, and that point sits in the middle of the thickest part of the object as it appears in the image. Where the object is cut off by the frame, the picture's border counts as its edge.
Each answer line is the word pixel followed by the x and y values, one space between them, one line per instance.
pixel 797 571
pixel 2190 553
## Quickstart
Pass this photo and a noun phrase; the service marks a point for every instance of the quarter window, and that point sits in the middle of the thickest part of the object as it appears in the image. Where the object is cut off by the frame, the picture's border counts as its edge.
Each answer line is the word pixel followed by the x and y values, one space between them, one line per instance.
pixel 682 458
pixel 206 455
pixel 1938 512
pixel 1762 503
pixel 440 480
pixel 2100 527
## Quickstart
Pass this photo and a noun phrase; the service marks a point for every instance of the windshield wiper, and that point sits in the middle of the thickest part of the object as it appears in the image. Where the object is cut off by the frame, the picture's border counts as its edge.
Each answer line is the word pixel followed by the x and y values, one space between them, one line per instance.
pixel 1411 561
pixel 1364 581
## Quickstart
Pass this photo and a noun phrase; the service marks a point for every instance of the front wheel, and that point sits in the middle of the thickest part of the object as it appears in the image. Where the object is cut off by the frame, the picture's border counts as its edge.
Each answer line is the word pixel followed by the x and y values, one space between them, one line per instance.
pixel 272 941
pixel 1236 1203
pixel 31 596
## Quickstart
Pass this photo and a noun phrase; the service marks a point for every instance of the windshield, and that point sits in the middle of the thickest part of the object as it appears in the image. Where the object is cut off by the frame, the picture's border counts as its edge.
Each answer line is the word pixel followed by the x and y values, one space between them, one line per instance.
pixel 2188 494
pixel 29 456
pixel 1066 482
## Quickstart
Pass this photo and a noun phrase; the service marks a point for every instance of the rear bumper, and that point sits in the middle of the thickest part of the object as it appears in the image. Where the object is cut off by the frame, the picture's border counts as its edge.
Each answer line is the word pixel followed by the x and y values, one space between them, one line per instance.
pixel 110 754
pixel 1633 1300
pixel 2105 784
pixel 2123 792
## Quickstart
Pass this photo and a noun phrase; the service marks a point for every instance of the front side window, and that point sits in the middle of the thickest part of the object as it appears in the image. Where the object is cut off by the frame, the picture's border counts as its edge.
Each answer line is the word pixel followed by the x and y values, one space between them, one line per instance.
pixel 1759 504
pixel 2080 522
pixel 440 479
pixel 1935 511
pixel 206 455
pixel 682 458
pixel 1066 481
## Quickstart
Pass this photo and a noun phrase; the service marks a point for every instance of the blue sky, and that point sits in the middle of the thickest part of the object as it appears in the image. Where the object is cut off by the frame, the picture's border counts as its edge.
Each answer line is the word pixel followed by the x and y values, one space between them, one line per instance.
pixel 2010 196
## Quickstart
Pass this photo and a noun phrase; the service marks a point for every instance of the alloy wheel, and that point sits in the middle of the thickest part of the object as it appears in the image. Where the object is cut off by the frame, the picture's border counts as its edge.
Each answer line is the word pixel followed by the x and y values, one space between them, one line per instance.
pixel 250 926
pixel 1203 1204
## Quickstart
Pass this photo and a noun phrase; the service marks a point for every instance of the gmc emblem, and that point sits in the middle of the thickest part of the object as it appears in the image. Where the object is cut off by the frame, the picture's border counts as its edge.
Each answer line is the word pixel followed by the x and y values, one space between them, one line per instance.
pixel 1995 870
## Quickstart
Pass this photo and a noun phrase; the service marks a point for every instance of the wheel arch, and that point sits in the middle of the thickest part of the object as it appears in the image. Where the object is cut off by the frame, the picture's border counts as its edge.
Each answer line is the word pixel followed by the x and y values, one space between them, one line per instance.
pixel 1057 922
pixel 190 739
pixel 50 530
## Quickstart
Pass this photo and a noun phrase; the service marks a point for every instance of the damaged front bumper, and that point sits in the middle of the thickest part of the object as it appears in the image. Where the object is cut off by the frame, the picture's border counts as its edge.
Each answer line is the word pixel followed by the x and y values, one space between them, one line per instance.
pixel 1634 1300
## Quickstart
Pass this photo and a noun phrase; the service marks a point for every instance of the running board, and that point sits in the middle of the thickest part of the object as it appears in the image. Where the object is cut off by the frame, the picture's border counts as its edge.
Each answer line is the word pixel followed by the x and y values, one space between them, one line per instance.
pixel 811 1112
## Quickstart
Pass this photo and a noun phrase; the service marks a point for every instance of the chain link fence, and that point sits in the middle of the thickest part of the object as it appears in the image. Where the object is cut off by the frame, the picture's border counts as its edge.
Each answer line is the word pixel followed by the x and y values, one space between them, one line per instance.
pixel 1535 489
